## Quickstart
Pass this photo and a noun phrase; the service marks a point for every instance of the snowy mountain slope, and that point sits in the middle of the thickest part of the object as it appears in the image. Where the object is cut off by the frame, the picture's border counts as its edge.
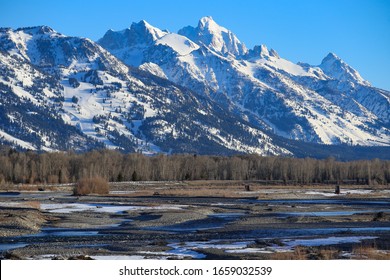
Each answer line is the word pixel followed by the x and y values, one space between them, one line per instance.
pixel 200 91
pixel 330 103
pixel 61 93
pixel 30 102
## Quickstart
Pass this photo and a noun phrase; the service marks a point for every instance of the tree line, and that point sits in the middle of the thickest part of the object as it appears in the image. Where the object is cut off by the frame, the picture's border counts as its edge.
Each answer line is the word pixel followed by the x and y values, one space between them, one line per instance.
pixel 67 167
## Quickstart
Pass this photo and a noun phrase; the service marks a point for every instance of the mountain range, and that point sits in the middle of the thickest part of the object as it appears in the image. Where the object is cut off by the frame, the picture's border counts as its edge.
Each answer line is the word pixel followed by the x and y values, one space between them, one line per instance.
pixel 200 90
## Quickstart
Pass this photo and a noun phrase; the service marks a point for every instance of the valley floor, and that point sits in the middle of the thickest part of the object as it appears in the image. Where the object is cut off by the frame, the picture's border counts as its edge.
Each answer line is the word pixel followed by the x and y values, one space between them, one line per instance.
pixel 196 220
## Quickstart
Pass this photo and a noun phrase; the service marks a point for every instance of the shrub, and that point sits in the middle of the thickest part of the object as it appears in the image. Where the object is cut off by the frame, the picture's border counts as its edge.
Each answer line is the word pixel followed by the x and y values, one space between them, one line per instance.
pixel 74 83
pixel 75 99
pixel 95 185
pixel 369 252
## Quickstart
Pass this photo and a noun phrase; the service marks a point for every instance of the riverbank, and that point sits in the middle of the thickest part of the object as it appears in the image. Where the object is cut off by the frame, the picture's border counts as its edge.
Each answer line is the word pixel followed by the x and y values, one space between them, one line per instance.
pixel 196 220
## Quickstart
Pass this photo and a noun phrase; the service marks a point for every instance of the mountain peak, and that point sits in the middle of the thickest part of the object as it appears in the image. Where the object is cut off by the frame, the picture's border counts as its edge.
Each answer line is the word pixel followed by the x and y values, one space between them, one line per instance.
pixel 208 23
pixel 336 68
pixel 214 37
pixel 262 52
pixel 145 24
pixel 143 27
pixel 206 19
pixel 139 33
pixel 34 30
pixel 331 57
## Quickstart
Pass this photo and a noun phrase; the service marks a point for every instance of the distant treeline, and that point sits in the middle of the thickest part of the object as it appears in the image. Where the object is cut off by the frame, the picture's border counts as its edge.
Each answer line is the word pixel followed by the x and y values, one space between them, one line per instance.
pixel 53 168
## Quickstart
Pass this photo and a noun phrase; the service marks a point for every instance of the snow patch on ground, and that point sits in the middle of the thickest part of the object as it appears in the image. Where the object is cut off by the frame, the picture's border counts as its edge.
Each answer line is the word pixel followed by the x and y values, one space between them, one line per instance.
pixel 117 257
pixel 12 204
pixel 291 243
pixel 122 192
pixel 188 249
pixel 103 208
pixel 343 192
pixel 250 251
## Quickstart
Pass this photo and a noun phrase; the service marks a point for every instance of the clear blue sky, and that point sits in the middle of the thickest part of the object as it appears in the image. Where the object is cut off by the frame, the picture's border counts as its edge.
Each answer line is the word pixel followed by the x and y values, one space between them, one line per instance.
pixel 357 31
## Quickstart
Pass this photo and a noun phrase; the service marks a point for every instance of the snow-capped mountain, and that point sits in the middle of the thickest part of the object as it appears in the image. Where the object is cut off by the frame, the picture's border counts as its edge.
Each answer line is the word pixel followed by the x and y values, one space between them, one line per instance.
pixel 59 93
pixel 329 103
pixel 337 69
pixel 215 37
pixel 196 91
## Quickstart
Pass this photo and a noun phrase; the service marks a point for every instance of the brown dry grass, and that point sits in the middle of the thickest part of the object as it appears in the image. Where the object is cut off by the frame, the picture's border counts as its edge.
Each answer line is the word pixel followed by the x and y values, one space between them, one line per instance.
pixel 299 253
pixel 95 185
pixel 34 188
pixel 359 252
pixel 305 253
pixel 200 192
pixel 328 254
pixel 186 190
pixel 34 204
pixel 234 189
pixel 369 252
pixel 6 186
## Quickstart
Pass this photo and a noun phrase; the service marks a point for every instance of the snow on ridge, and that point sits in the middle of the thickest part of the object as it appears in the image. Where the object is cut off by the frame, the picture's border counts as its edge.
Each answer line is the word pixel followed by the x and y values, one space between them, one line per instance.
pixel 91 103
pixel 234 144
pixel 178 43
pixel 284 65
pixel 156 32
pixel 215 37
pixel 17 141
pixel 336 68
pixel 153 68
pixel 209 23
pixel 217 70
